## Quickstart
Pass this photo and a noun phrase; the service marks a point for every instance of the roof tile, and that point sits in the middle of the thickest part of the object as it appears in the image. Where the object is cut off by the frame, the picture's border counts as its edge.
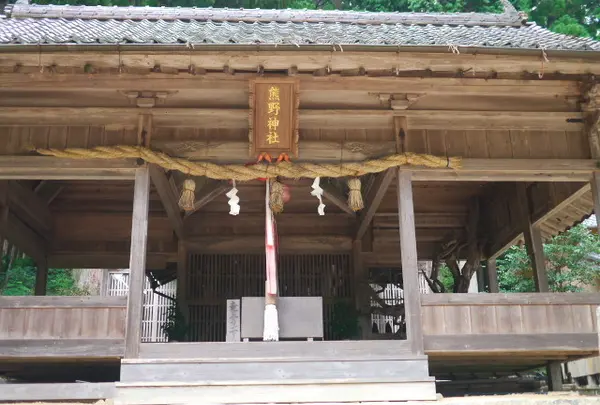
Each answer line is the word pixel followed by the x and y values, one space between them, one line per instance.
pixel 37 24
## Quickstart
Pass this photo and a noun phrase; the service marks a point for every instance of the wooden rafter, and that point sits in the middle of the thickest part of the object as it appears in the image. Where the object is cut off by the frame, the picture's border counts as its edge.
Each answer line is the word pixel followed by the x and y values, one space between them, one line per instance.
pixel 48 190
pixel 336 198
pixel 533 238
pixel 211 190
pixel 375 196
pixel 30 208
pixel 168 198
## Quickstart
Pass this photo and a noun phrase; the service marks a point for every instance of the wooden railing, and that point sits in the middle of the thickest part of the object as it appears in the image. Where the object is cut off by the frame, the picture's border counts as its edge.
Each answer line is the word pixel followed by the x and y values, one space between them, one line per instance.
pixel 62 326
pixel 543 321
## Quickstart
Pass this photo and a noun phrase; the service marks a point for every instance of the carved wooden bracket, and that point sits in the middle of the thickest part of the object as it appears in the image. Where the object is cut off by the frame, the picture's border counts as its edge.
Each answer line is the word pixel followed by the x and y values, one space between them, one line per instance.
pixel 398 101
pixel 147 99
pixel 591 106
pixel 591 97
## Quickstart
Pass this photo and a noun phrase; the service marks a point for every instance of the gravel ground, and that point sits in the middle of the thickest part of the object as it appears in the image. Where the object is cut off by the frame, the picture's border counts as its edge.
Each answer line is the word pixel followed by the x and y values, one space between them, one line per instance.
pixel 560 398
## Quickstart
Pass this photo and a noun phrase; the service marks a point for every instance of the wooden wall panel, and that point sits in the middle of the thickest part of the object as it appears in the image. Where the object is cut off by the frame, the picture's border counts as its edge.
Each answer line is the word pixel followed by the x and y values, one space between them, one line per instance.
pixel 63 320
pixel 496 314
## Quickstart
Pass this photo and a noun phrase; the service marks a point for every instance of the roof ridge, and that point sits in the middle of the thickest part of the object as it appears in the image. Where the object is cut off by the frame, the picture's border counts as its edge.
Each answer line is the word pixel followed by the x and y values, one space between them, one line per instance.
pixel 510 16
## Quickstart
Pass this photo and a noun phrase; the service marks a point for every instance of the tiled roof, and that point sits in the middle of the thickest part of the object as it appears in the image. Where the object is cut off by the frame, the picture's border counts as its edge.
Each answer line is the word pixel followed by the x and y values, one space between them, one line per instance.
pixel 37 24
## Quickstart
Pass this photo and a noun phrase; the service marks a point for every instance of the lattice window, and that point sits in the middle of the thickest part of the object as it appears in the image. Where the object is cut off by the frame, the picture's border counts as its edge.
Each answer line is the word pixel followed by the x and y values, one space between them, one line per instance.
pixel 214 278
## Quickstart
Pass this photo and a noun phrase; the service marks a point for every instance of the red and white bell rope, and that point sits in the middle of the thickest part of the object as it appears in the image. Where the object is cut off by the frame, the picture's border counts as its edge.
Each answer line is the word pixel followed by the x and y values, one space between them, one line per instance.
pixel 271 321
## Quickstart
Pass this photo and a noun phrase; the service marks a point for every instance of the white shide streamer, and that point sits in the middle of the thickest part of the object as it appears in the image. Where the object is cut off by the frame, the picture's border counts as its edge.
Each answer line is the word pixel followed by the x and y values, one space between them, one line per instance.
pixel 318 192
pixel 233 200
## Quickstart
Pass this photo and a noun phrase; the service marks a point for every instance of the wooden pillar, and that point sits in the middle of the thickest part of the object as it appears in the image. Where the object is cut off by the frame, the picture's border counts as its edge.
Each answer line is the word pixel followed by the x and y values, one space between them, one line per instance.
pixel 41 276
pixel 137 261
pixel 408 251
pixel 362 298
pixel 535 250
pixel 533 241
pixel 596 194
pixel 480 280
pixel 492 275
pixel 182 274
pixel 555 377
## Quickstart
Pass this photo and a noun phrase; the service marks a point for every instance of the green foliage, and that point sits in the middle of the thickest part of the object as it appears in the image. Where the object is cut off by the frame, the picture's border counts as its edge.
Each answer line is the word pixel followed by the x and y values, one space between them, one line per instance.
pixel 569 268
pixel 572 17
pixel 569 26
pixel 175 326
pixel 446 278
pixel 20 279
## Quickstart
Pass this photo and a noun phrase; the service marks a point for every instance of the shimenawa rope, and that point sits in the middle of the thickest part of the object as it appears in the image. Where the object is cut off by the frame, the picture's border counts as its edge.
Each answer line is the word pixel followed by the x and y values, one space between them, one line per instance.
pixel 240 172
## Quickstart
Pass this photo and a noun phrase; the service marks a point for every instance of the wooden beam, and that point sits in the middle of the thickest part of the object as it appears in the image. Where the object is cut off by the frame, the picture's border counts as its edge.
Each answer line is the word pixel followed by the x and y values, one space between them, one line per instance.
pixel 510 299
pixel 356 151
pixel 384 220
pixel 61 348
pixel 373 200
pixel 502 170
pixel 409 59
pixel 595 185
pixel 90 301
pixel 317 119
pixel 308 83
pixel 533 239
pixel 252 244
pixel 472 169
pixel 169 200
pixel 331 194
pixel 104 260
pixel 408 253
pixel 51 168
pixel 577 343
pixel 211 190
pixel 492 275
pixel 137 265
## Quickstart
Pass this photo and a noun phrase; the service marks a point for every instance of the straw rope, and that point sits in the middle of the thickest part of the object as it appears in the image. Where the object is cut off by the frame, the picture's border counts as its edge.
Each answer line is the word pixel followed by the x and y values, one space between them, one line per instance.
pixel 250 172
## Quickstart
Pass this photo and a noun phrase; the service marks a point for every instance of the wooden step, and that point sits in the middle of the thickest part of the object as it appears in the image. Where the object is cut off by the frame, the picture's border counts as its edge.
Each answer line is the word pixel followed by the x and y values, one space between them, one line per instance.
pixel 245 380
pixel 400 370
pixel 262 392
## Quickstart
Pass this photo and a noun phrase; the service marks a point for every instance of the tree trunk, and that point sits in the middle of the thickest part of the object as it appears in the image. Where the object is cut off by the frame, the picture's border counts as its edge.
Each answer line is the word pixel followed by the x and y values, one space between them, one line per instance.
pixel 462 284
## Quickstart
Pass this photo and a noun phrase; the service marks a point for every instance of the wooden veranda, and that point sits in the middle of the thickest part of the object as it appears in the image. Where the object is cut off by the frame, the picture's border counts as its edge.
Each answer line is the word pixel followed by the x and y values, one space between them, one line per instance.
pixel 522 120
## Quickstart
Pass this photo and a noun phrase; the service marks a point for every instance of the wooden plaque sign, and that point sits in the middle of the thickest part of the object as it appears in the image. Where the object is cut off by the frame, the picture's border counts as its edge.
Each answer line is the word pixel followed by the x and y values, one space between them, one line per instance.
pixel 274 116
